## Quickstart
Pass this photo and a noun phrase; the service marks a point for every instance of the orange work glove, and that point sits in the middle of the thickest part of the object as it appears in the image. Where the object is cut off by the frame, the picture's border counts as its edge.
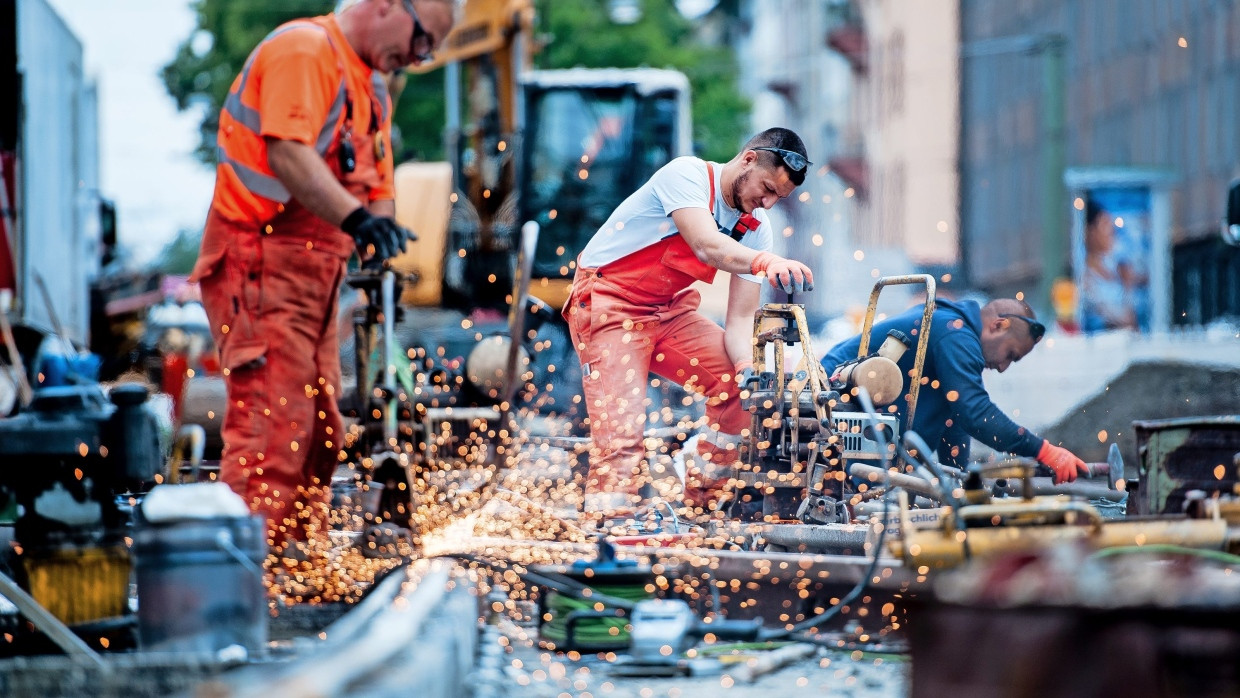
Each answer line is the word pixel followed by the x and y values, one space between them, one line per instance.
pixel 788 274
pixel 1065 464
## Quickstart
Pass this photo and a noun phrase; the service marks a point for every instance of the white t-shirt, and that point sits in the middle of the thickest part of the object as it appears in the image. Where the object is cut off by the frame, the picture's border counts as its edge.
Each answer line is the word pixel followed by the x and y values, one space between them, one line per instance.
pixel 646 216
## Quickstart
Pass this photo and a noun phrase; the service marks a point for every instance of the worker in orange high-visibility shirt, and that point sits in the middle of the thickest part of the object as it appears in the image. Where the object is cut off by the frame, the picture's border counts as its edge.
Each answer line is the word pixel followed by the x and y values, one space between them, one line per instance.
pixel 631 311
pixel 304 179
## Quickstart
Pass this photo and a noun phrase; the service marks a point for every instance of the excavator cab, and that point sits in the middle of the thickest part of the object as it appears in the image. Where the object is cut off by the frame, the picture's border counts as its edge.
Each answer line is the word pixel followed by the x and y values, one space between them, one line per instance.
pixel 591 138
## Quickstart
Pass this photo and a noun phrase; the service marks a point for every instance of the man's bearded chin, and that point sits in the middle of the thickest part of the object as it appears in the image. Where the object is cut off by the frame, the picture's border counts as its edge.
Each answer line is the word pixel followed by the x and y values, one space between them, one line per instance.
pixel 736 193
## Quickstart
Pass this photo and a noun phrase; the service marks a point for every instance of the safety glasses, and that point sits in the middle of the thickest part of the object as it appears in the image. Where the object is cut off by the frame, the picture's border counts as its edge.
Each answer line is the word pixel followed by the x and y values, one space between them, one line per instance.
pixel 1036 329
pixel 794 161
pixel 419 34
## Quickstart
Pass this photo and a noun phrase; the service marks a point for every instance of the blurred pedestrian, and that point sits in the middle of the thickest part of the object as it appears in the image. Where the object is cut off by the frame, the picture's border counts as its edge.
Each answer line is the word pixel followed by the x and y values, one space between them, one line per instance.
pixel 1106 298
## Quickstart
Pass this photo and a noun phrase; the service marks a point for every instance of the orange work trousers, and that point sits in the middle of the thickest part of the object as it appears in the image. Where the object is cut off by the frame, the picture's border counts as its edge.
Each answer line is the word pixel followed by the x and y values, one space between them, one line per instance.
pixel 271 300
pixel 619 343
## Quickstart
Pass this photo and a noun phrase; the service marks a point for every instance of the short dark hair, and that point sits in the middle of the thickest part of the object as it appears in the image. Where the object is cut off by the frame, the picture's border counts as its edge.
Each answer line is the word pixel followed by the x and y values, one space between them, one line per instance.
pixel 784 139
pixel 1093 211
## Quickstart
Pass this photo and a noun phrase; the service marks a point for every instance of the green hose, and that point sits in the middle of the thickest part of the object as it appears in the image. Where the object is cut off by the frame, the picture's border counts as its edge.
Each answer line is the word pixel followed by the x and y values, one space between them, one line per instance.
pixel 1168 549
pixel 716 650
pixel 589 633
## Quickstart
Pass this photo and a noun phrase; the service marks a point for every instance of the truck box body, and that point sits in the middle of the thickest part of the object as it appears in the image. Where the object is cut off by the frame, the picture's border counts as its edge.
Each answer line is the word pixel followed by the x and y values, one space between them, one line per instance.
pixel 52 128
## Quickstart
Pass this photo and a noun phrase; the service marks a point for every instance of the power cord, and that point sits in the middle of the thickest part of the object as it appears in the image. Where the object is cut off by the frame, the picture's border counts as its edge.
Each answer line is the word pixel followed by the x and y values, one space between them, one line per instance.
pixel 800 629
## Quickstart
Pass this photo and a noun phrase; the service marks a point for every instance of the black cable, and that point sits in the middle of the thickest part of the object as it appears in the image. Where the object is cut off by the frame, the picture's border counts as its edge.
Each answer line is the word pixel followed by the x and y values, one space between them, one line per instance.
pixel 552 580
pixel 868 406
pixel 801 628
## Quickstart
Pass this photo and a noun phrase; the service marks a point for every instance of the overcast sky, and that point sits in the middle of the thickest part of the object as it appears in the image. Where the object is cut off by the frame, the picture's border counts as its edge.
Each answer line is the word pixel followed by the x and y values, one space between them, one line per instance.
pixel 146 159
pixel 146 146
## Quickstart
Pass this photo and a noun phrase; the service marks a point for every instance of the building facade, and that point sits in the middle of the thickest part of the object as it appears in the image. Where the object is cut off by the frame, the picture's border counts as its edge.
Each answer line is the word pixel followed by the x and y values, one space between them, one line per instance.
pixel 907 118
pixel 1049 85
pixel 871 87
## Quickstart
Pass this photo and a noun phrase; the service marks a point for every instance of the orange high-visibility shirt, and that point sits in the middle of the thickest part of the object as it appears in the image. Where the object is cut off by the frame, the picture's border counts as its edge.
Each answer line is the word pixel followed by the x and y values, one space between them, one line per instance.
pixel 300 84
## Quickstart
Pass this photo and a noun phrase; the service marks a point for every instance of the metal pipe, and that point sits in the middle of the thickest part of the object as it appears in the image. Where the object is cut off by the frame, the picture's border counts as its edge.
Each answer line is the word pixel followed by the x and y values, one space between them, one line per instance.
pixel 1046 486
pixel 868 508
pixel 1053 160
pixel 387 350
pixel 452 119
pixel 59 633
pixel 912 484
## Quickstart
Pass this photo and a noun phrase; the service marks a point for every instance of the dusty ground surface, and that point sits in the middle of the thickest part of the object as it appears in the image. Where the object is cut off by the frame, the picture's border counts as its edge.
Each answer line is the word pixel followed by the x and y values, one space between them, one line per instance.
pixel 536 501
pixel 834 673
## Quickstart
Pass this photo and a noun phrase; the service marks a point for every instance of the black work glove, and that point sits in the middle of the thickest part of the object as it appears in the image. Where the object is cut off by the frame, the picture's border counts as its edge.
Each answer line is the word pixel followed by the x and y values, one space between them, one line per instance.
pixel 387 237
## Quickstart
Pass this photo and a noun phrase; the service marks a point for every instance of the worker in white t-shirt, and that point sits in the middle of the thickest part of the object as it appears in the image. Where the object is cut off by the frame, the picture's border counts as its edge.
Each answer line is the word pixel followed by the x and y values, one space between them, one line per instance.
pixel 631 311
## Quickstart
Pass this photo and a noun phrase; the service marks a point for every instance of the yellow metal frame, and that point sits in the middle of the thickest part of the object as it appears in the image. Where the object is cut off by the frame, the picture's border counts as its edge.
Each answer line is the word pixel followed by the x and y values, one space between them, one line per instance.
pixel 923 338
pixel 808 376
pixel 485 26
pixel 814 378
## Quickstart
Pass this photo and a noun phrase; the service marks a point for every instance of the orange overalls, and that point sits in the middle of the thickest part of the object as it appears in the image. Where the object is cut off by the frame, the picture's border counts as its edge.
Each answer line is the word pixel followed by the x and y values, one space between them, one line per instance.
pixel 635 316
pixel 270 270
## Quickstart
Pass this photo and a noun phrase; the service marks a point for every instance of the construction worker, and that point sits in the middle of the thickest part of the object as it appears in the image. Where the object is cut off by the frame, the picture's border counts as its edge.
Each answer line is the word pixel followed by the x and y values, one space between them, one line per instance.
pixel 304 179
pixel 631 311
pixel 953 404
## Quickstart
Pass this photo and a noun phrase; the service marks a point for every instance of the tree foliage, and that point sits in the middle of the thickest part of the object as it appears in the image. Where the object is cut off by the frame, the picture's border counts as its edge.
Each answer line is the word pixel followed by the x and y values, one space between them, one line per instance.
pixel 228 30
pixel 581 33
pixel 180 254
pixel 575 33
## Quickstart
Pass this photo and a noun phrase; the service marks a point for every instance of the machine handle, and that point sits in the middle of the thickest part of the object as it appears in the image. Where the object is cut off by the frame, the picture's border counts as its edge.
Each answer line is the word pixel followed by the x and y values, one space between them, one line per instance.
pixel 224 539
pixel 923 337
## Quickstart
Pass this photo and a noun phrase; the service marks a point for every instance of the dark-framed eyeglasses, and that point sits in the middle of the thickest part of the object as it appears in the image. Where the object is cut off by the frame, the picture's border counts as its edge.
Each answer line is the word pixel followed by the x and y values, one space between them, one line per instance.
pixel 793 160
pixel 1036 329
pixel 419 32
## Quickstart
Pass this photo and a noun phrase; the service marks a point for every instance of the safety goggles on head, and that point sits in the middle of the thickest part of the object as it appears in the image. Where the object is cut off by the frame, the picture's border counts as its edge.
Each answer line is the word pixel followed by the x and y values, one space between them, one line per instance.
pixel 1036 329
pixel 792 160
pixel 419 33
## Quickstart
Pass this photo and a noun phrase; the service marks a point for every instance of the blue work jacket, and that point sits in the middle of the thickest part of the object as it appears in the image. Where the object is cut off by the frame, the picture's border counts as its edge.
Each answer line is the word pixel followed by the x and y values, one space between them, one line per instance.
pixel 953 404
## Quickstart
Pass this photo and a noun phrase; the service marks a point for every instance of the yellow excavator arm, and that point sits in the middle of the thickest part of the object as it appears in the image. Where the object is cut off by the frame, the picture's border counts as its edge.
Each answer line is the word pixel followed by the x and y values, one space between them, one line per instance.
pixel 485 27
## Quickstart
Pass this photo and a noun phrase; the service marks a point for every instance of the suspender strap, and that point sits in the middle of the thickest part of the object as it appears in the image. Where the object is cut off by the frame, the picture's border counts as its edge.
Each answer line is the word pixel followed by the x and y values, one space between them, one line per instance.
pixel 710 176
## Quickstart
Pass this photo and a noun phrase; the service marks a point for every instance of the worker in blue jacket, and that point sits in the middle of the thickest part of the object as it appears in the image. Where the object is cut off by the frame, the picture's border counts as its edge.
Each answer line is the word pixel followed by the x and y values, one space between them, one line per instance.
pixel 953 404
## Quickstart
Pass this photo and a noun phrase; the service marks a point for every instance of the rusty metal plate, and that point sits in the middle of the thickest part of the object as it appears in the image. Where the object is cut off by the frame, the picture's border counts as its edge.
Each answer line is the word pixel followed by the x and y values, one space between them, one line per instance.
pixel 1179 455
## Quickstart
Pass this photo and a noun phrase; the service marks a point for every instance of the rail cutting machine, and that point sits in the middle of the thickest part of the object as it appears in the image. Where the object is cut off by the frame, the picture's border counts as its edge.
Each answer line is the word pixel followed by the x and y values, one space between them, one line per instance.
pixel 807 426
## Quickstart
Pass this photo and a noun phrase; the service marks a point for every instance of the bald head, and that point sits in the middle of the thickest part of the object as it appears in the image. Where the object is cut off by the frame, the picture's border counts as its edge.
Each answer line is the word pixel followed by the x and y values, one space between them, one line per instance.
pixel 389 35
pixel 1009 332
pixel 1007 306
